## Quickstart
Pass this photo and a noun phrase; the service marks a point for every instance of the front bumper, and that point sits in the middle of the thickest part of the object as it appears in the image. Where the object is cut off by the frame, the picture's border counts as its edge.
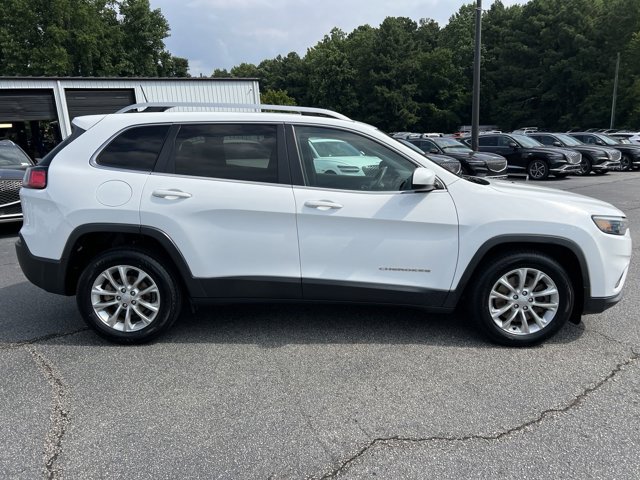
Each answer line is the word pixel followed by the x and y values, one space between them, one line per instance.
pixel 600 304
pixel 43 272
pixel 607 165
pixel 566 168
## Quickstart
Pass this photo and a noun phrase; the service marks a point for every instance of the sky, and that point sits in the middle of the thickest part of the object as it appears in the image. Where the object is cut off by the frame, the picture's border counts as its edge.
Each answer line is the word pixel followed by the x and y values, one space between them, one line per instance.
pixel 224 33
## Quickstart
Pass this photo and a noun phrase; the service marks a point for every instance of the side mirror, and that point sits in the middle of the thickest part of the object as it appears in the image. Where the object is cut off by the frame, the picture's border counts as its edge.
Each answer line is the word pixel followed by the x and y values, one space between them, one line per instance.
pixel 599 142
pixel 514 145
pixel 423 179
pixel 557 144
pixel 434 150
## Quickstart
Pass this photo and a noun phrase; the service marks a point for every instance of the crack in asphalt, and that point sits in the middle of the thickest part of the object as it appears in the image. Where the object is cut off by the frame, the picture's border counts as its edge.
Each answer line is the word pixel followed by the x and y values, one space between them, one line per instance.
pixel 59 417
pixel 582 327
pixel 10 346
pixel 396 439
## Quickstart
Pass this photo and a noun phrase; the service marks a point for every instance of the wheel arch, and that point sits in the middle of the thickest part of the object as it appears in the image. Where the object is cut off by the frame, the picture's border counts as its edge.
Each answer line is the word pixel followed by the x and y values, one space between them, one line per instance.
pixel 86 241
pixel 567 252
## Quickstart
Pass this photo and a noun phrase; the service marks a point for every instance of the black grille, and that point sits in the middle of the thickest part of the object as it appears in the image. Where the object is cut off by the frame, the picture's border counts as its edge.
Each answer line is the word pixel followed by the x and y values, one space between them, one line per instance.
pixel 10 210
pixel 496 165
pixel 9 192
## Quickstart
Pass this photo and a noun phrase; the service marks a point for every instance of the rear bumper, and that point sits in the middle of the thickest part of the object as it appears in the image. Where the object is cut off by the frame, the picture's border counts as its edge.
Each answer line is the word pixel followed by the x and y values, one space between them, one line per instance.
pixel 43 272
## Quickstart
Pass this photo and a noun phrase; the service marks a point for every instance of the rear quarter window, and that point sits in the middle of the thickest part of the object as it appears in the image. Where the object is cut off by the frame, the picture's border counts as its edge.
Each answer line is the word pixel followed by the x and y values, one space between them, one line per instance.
pixel 134 149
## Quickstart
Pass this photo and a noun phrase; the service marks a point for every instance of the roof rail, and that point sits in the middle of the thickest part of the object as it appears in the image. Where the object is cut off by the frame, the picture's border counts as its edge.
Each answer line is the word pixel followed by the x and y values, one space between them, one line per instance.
pixel 163 106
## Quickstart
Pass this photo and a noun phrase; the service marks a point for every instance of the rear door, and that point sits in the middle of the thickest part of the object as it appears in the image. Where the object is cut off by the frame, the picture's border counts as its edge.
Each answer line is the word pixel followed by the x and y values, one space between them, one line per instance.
pixel 222 193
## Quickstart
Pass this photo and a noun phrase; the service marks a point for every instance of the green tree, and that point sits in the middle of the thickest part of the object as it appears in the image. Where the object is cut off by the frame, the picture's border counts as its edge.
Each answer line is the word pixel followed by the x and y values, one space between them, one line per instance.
pixel 276 97
pixel 85 38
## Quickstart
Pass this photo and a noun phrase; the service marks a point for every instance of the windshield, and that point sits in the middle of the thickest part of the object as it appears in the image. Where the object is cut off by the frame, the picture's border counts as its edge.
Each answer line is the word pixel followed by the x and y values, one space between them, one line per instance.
pixel 450 144
pixel 411 146
pixel 12 156
pixel 607 140
pixel 334 148
pixel 568 140
pixel 526 142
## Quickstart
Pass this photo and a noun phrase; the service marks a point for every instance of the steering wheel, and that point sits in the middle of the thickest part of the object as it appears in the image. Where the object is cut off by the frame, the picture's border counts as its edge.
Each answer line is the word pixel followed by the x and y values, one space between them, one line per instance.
pixel 377 180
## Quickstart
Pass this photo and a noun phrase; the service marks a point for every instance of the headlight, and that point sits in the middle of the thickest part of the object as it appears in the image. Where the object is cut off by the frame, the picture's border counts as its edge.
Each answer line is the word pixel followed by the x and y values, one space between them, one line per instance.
pixel 611 225
pixel 609 155
pixel 556 156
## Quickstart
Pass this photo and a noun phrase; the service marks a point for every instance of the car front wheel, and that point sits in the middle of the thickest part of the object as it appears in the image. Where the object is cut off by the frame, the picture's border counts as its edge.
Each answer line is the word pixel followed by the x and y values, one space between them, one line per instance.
pixel 585 166
pixel 538 169
pixel 127 296
pixel 625 163
pixel 522 298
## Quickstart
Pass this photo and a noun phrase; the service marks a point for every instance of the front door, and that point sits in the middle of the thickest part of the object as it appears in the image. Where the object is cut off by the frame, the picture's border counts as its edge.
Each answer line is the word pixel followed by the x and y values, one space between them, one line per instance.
pixel 364 235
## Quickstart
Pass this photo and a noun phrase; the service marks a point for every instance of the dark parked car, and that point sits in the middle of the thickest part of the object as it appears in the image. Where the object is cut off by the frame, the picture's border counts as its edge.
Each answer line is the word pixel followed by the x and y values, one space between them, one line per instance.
pixel 13 163
pixel 630 153
pixel 594 158
pixel 444 161
pixel 480 164
pixel 526 155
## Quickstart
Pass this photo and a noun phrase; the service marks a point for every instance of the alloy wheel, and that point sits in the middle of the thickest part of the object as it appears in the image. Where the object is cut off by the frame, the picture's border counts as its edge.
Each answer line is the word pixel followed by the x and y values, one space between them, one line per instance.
pixel 125 298
pixel 523 301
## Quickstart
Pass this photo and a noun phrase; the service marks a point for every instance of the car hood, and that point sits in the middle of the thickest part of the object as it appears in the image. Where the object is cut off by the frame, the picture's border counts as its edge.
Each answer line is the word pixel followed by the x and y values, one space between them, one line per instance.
pixel 567 199
pixel 589 149
pixel 439 158
pixel 626 148
pixel 545 150
pixel 12 173
pixel 359 160
pixel 478 156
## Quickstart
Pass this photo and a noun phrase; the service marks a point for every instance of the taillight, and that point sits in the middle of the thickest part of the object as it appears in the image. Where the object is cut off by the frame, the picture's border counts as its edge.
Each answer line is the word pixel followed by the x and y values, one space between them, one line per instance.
pixel 35 177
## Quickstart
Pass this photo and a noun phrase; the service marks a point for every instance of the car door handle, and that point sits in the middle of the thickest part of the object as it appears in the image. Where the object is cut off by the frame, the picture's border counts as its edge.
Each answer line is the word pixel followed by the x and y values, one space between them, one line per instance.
pixel 322 204
pixel 171 194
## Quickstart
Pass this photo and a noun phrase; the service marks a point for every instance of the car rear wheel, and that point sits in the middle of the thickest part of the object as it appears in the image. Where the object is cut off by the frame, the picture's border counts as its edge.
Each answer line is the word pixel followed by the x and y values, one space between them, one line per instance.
pixel 127 296
pixel 625 163
pixel 538 169
pixel 522 298
pixel 585 166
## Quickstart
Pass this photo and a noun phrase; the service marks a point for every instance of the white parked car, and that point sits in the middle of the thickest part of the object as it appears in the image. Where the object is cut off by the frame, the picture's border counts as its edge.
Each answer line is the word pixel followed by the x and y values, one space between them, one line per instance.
pixel 136 212
pixel 631 137
pixel 338 157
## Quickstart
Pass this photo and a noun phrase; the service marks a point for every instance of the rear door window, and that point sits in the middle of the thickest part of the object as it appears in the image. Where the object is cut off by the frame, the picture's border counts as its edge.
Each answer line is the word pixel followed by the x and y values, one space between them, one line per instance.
pixel 235 152
pixel 488 141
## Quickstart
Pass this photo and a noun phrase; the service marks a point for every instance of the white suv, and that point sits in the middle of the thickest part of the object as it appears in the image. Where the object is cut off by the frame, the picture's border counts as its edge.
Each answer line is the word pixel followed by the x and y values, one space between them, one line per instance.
pixel 136 211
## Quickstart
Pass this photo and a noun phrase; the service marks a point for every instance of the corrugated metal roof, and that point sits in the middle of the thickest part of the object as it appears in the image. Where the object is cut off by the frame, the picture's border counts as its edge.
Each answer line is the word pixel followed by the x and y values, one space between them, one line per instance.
pixel 154 79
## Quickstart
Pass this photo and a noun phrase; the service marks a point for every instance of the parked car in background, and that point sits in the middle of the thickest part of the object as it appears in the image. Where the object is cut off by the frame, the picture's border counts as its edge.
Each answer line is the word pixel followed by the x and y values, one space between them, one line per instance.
pixel 630 153
pixel 444 161
pixel 633 137
pixel 525 130
pixel 480 164
pixel 337 157
pixel 594 158
pixel 526 155
pixel 13 163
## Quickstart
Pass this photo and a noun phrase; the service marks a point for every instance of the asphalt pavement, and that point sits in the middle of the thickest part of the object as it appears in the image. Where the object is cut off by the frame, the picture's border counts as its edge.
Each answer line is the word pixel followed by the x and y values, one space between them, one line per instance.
pixel 319 391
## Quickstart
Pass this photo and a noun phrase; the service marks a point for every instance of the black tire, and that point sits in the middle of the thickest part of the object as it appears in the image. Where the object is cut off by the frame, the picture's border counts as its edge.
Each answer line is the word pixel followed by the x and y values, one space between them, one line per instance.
pixel 585 166
pixel 509 333
pixel 164 294
pixel 538 169
pixel 561 175
pixel 625 163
